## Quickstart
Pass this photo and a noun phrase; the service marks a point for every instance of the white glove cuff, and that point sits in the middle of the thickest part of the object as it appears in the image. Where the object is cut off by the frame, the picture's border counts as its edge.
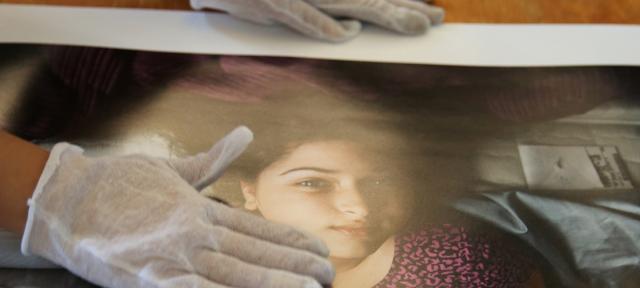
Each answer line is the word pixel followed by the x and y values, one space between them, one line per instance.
pixel 49 169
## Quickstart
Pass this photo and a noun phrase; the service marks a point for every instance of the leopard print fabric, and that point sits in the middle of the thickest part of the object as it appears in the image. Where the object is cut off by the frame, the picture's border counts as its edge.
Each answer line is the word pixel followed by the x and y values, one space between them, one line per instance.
pixel 448 256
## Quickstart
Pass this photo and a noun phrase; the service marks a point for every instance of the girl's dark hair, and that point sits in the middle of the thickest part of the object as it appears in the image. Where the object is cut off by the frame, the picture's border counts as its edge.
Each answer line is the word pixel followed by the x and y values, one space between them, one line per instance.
pixel 67 87
pixel 73 87
pixel 75 84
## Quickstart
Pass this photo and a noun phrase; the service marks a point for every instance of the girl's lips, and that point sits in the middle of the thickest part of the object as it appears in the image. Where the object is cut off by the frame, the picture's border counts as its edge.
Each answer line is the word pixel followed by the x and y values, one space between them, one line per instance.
pixel 352 231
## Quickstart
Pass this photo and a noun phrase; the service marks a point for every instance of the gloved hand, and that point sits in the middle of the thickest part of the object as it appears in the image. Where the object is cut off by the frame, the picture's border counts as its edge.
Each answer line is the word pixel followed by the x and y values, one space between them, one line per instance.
pixel 137 221
pixel 316 17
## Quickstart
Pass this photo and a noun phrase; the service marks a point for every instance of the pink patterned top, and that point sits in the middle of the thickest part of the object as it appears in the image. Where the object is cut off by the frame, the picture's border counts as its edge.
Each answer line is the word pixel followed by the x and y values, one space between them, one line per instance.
pixel 448 256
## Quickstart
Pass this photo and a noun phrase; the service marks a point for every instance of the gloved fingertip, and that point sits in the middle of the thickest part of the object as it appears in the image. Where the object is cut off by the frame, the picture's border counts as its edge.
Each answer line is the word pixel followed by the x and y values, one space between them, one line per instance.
pixel 234 143
pixel 352 26
pixel 322 271
pixel 330 273
pixel 216 160
pixel 350 29
pixel 242 132
pixel 414 24
pixel 436 15
pixel 195 4
pixel 322 248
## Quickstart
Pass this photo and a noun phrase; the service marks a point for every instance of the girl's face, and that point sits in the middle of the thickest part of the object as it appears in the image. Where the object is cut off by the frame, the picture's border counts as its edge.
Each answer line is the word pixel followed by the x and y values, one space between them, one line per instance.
pixel 335 191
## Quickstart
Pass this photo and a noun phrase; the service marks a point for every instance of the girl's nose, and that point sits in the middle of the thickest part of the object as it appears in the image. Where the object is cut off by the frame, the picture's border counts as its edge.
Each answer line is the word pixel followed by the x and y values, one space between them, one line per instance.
pixel 350 201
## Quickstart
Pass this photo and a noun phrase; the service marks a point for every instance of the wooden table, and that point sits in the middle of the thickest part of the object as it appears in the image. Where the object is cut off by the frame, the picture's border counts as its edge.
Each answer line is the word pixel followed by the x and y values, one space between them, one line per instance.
pixel 476 11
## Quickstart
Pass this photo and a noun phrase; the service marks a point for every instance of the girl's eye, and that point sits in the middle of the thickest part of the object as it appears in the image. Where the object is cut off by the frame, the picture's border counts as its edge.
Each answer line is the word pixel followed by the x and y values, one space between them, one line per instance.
pixel 314 184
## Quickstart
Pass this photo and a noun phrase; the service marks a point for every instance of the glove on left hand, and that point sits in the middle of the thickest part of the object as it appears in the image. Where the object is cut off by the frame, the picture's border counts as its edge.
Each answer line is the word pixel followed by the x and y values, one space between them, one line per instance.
pixel 137 221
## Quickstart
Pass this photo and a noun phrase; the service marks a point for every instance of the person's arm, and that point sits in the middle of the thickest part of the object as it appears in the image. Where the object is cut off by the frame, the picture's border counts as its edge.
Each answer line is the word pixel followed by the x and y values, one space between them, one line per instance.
pixel 22 164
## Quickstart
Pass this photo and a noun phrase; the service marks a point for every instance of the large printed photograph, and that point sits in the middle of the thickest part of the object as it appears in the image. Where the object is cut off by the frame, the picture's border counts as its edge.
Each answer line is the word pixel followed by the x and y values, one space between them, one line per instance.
pixel 413 175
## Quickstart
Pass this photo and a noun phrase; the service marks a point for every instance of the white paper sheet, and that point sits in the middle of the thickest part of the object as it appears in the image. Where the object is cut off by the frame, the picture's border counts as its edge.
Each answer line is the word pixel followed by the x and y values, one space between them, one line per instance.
pixel 573 167
pixel 199 32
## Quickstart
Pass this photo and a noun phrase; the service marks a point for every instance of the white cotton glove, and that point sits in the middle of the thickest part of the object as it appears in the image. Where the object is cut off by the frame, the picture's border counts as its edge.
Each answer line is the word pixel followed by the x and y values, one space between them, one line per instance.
pixel 316 17
pixel 137 221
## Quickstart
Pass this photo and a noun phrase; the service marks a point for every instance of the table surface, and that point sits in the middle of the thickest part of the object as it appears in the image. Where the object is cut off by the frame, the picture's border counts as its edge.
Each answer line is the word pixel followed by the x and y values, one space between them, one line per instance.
pixel 472 11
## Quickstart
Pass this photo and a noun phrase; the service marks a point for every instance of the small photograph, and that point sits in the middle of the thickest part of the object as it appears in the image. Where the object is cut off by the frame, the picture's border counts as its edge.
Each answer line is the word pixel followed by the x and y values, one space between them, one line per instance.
pixel 606 161
pixel 573 168
pixel 412 175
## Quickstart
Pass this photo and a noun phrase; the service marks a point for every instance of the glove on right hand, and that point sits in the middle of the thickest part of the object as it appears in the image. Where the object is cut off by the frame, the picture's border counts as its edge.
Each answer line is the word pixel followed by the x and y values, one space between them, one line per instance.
pixel 315 18
pixel 137 221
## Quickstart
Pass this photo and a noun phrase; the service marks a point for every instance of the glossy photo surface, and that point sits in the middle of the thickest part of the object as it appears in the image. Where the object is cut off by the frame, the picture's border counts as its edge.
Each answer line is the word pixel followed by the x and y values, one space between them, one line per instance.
pixel 413 175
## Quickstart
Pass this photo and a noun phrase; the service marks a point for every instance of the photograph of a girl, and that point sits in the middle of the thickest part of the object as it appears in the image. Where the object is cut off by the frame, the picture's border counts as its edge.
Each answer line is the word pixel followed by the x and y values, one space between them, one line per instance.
pixel 368 157
pixel 358 196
